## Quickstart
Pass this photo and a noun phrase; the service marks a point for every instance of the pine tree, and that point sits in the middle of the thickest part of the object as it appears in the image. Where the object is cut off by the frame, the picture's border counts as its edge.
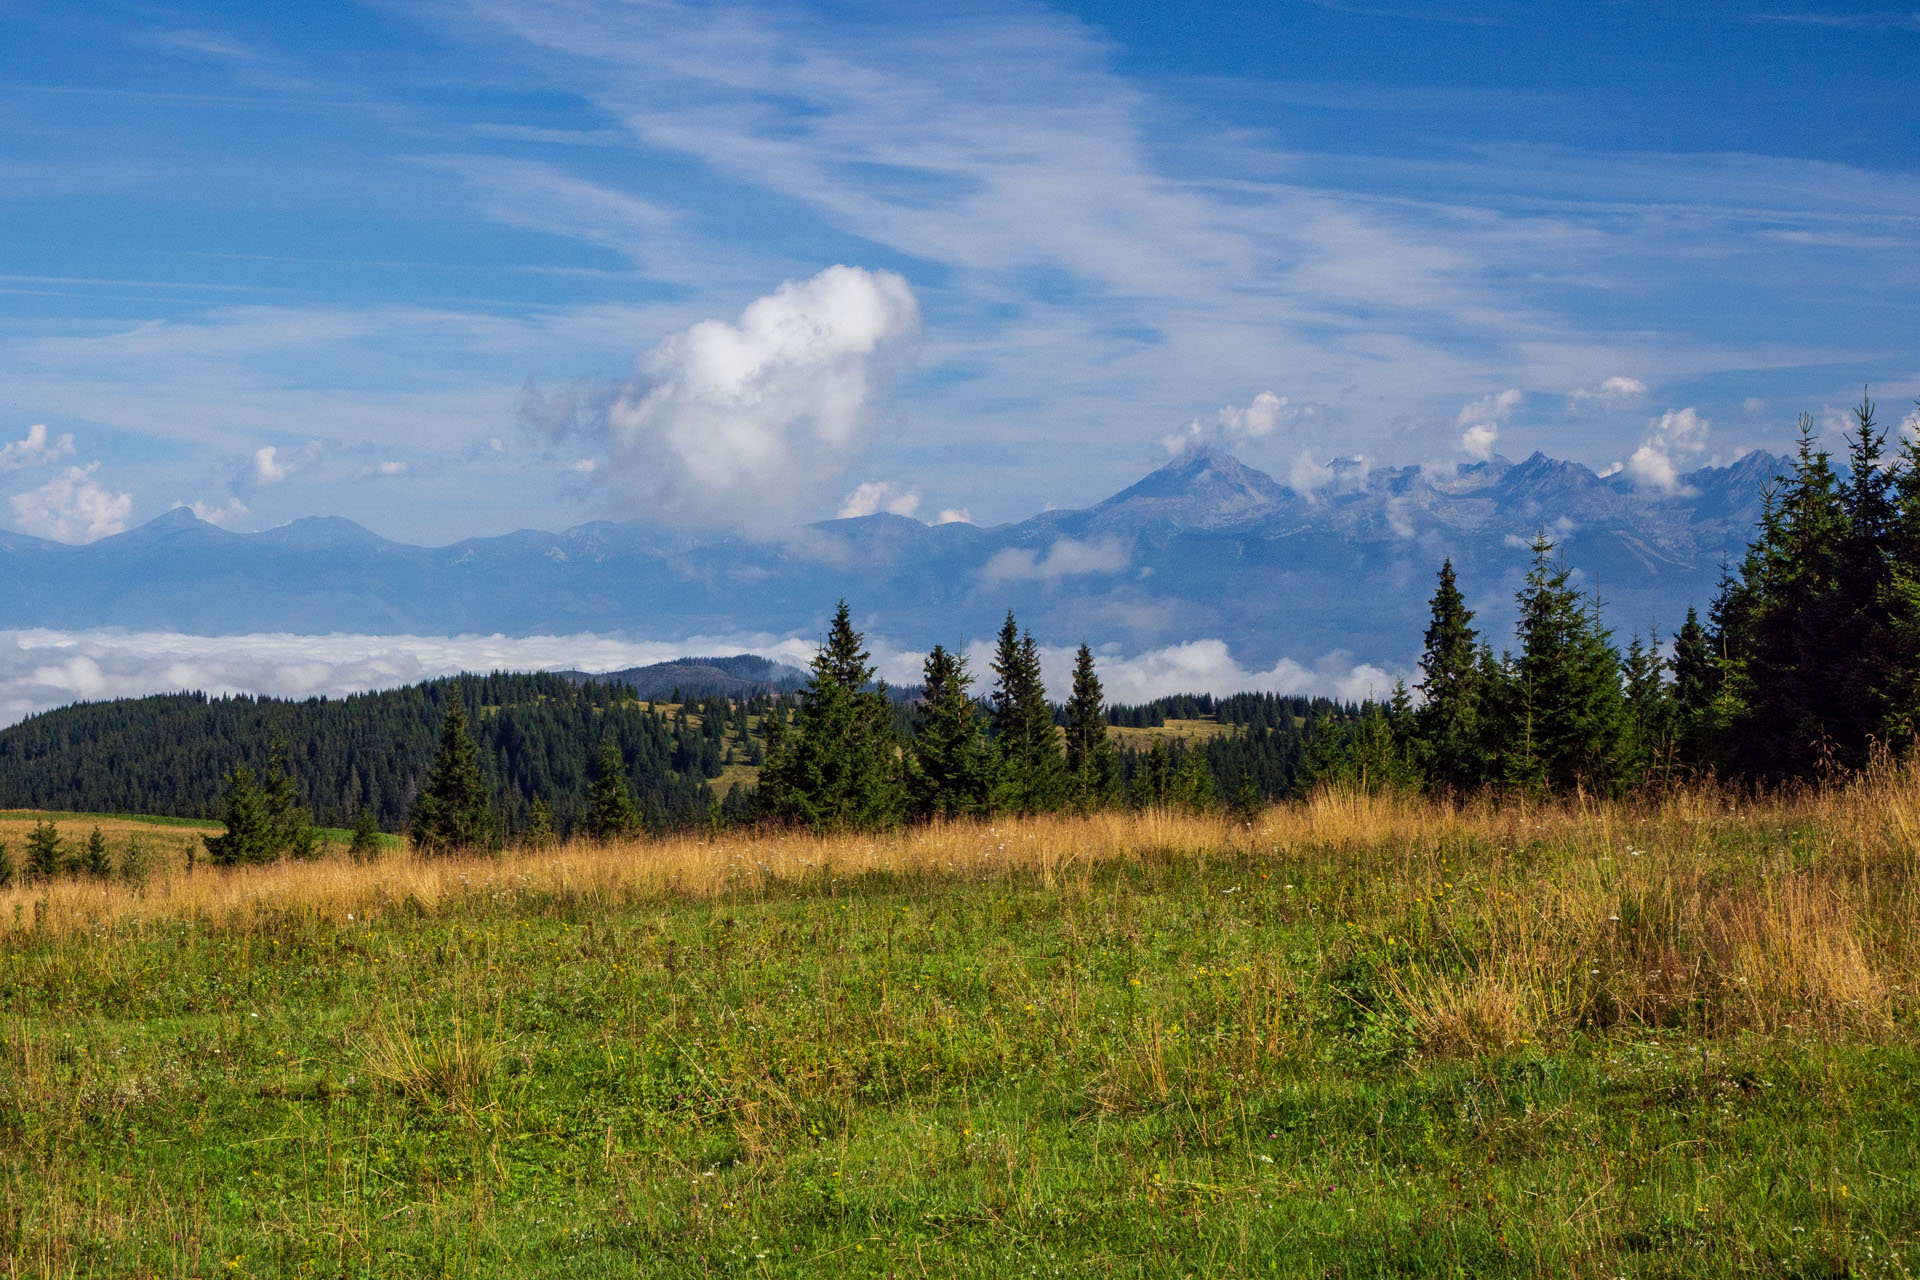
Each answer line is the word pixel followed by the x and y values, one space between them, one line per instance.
pixel 249 836
pixel 950 769
pixel 837 767
pixel 96 863
pixel 291 823
pixel 46 854
pixel 611 814
pixel 455 810
pixel 1569 721
pixel 1650 715
pixel 136 863
pixel 1696 688
pixel 539 833
pixel 1448 722
pixel 366 843
pixel 1090 763
pixel 1032 768
pixel 1193 788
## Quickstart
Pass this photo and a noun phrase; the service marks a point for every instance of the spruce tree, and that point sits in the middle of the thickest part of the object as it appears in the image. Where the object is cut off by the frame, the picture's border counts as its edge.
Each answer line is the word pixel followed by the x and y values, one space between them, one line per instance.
pixel 136 862
pixel 1650 716
pixel 1447 723
pixel 1090 763
pixel 291 823
pixel 1569 721
pixel 96 862
pixel 249 837
pixel 1696 687
pixel 46 853
pixel 366 843
pixel 7 872
pixel 1032 767
pixel 611 813
pixel 454 812
pixel 950 770
pixel 837 767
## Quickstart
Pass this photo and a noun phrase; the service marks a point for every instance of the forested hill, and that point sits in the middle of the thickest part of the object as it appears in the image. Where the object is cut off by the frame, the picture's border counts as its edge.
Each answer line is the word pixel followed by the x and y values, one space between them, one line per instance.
pixel 538 736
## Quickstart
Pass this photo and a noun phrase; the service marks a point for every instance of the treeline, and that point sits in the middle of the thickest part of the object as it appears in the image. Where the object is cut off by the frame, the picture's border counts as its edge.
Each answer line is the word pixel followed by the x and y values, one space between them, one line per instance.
pixel 1807 663
pixel 537 737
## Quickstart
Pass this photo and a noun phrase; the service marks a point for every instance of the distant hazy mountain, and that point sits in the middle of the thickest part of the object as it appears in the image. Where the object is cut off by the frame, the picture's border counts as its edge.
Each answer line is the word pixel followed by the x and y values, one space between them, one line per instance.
pixel 1203 547
pixel 743 675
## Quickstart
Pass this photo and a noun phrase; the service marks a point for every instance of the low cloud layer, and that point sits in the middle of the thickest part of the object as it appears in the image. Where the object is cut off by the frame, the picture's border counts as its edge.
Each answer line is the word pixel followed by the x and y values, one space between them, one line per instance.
pixel 1067 557
pixel 746 424
pixel 879 495
pixel 42 669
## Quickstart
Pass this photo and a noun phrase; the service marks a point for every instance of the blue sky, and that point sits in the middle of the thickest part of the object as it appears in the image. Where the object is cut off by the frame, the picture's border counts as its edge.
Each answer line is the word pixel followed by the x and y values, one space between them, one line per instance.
pixel 458 268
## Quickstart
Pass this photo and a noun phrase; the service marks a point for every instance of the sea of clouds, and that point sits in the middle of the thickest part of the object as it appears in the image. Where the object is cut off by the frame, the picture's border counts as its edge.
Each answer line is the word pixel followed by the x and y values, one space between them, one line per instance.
pixel 42 669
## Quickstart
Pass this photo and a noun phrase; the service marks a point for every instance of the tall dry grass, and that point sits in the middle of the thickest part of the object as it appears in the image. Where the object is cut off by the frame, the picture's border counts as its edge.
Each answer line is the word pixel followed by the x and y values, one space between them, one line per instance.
pixel 1500 921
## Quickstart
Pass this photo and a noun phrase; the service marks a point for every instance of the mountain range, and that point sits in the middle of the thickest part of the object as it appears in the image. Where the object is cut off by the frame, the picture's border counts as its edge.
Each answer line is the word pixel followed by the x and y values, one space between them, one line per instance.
pixel 1203 547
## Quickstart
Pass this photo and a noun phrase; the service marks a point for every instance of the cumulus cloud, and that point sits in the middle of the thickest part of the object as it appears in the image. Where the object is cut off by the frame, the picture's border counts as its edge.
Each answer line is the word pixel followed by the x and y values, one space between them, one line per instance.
pixel 954 515
pixel 1672 440
pixel 1480 422
pixel 879 495
pixel 1232 424
pixel 745 423
pixel 1612 393
pixel 232 512
pixel 1067 557
pixel 72 507
pixel 35 449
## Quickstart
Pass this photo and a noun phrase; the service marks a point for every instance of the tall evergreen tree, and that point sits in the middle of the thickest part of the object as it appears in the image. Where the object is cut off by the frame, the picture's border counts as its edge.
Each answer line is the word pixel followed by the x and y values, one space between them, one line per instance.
pixel 291 823
pixel 1696 688
pixel 455 810
pixel 1569 723
pixel 1448 722
pixel 46 852
pixel 1033 769
pixel 96 861
pixel 838 766
pixel 1090 762
pixel 611 812
pixel 950 769
pixel 248 838
pixel 1649 707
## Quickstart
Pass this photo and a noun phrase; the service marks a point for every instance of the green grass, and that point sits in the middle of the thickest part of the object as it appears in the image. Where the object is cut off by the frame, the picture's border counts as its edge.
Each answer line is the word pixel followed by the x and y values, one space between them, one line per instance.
pixel 1170 1066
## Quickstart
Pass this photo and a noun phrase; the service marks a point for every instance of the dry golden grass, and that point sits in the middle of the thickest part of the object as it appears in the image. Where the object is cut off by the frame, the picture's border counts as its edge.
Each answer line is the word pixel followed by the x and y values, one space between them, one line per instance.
pixel 1692 909
pixel 1143 737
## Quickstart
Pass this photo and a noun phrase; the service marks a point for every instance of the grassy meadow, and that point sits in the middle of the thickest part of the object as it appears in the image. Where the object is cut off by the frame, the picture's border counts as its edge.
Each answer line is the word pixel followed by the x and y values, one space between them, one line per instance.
pixel 1354 1037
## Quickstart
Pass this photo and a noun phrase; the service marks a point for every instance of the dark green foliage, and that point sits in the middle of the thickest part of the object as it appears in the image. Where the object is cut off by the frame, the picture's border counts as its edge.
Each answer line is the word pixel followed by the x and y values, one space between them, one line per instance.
pixel 249 837
pixel 1090 767
pixel 95 861
pixel 1649 708
pixel 1696 690
pixel 1448 723
pixel 1033 774
pixel 291 823
pixel 611 812
pixel 1567 717
pixel 136 862
pixel 837 766
pixel 539 832
pixel 46 853
pixel 366 843
pixel 455 810
pixel 7 872
pixel 950 769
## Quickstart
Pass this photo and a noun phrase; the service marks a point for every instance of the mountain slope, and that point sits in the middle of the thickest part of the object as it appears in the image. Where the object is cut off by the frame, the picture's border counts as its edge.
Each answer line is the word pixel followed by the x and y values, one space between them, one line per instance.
pixel 1204 546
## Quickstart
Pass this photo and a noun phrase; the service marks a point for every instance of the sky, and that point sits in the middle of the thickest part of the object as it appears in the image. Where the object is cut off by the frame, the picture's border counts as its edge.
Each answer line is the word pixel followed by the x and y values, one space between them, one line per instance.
pixel 453 269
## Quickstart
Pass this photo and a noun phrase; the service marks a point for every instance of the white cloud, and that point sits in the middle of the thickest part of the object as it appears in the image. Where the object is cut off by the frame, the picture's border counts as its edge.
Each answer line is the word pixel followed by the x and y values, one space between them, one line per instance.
pixel 1067 557
pixel 390 469
pixel 267 467
pixel 1232 424
pixel 584 466
pixel 1481 422
pixel 34 450
pixel 1675 438
pixel 1612 393
pixel 879 495
pixel 72 507
pixel 42 669
pixel 743 423
pixel 226 516
pixel 954 515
